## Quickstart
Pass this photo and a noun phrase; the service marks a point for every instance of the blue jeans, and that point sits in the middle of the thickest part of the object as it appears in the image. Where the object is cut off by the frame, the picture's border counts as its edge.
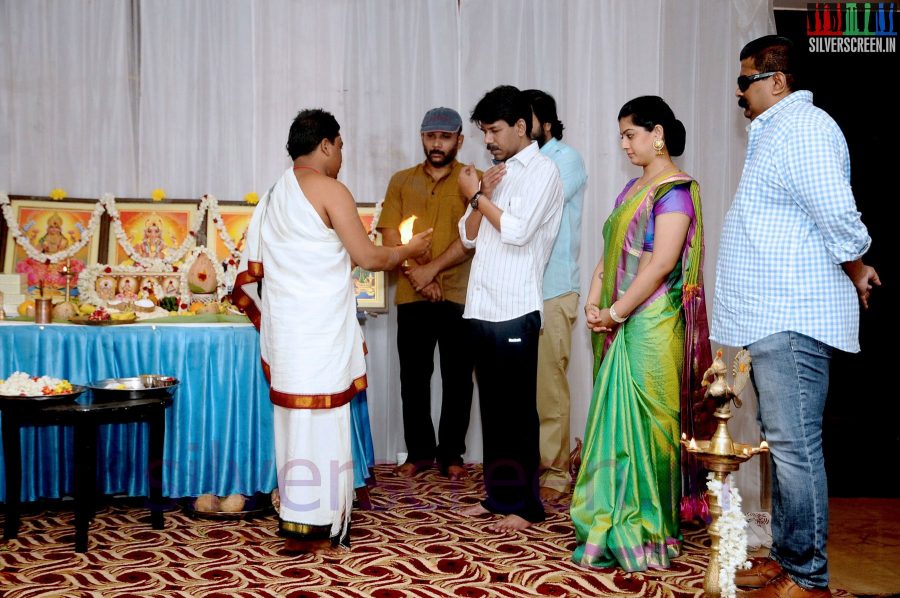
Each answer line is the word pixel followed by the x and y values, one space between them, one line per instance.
pixel 790 373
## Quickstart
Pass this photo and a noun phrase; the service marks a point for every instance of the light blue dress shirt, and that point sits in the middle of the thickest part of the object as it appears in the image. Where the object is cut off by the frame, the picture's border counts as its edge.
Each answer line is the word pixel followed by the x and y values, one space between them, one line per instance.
pixel 561 275
pixel 793 222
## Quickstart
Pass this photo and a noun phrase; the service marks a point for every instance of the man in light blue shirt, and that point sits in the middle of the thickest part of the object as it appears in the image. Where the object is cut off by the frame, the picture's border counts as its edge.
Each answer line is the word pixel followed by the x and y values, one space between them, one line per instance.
pixel 561 288
pixel 789 284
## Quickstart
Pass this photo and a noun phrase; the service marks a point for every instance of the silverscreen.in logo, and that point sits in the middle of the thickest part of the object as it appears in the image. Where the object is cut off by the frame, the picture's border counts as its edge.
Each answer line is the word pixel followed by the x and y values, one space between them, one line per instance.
pixel 851 27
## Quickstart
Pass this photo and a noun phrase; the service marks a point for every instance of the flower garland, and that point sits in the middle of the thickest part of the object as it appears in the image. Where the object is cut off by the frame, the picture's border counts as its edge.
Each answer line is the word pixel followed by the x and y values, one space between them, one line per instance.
pixel 732 533
pixel 375 217
pixel 52 258
pixel 190 240
pixel 213 206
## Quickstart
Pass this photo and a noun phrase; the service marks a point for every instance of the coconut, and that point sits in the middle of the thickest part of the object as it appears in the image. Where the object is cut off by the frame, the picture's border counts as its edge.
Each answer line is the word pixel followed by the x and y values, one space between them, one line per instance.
pixel 202 275
pixel 232 503
pixel 64 310
pixel 207 503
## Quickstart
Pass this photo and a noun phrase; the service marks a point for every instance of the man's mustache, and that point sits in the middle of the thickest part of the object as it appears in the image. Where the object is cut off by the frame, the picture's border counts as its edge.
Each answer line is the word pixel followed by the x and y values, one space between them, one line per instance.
pixel 491 147
pixel 742 102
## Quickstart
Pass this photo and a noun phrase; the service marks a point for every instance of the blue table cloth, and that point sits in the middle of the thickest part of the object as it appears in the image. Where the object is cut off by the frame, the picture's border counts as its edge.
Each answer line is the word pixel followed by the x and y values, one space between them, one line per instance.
pixel 218 430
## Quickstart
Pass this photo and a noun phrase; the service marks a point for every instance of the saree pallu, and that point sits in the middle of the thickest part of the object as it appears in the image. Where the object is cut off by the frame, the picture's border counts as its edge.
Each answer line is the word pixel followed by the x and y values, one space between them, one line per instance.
pixel 625 507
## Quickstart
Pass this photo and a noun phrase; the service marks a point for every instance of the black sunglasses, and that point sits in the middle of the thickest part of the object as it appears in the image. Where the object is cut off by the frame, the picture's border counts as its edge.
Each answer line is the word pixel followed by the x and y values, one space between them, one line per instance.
pixel 745 81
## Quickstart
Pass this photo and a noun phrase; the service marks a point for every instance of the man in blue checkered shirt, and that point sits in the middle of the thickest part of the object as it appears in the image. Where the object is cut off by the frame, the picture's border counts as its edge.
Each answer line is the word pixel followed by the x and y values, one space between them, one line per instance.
pixel 789 284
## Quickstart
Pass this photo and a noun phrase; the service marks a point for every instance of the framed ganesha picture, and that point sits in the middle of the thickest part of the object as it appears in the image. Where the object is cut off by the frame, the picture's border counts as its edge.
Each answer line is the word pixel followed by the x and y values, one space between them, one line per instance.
pixel 154 231
pixel 232 220
pixel 371 293
pixel 50 227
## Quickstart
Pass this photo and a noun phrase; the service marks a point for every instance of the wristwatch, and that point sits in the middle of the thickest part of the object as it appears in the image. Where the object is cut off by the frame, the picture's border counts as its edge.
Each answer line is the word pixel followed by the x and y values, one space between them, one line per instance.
pixel 474 201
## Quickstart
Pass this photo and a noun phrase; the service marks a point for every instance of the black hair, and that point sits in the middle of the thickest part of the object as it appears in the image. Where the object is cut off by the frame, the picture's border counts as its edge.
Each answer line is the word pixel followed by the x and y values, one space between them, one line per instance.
pixel 308 130
pixel 505 103
pixel 649 111
pixel 775 53
pixel 544 107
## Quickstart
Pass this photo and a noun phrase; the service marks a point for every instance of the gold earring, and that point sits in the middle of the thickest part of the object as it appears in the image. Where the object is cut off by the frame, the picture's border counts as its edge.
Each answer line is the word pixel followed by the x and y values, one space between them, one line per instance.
pixel 658 145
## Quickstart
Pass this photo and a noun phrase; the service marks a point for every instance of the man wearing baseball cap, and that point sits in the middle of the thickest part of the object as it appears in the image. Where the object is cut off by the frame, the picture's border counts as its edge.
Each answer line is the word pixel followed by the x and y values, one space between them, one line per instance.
pixel 431 296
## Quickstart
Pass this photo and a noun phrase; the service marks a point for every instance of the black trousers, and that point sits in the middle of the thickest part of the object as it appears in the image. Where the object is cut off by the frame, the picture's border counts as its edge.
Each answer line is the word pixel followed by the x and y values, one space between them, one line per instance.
pixel 506 355
pixel 421 326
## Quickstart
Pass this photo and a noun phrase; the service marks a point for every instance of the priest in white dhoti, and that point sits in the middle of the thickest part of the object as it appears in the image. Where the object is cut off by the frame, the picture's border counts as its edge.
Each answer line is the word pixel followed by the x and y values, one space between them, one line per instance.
pixel 294 282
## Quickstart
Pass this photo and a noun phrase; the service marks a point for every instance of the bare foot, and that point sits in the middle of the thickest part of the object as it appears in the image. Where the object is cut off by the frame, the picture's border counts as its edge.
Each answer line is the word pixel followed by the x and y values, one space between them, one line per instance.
pixel 475 510
pixel 295 546
pixel 550 494
pixel 407 470
pixel 510 523
pixel 456 473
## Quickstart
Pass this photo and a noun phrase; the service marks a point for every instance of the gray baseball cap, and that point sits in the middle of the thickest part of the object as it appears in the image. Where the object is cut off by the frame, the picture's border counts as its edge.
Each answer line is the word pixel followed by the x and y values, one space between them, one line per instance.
pixel 441 119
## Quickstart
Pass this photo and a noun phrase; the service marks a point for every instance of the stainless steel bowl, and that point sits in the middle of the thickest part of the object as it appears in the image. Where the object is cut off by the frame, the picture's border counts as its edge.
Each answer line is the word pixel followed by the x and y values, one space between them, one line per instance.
pixel 135 387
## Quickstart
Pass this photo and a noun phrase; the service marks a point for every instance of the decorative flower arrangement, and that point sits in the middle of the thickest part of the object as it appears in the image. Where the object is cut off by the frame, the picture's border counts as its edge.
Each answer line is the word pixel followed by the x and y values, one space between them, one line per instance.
pixel 32 251
pixel 251 198
pixel 57 194
pixel 157 195
pixel 732 533
pixel 143 266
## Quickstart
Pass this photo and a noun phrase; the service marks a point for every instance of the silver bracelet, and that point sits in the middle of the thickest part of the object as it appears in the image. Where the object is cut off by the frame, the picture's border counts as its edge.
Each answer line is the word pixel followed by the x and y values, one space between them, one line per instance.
pixel 615 317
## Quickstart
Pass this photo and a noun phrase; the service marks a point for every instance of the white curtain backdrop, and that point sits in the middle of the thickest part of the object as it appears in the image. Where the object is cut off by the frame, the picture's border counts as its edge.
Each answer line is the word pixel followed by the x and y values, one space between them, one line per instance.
pixel 196 96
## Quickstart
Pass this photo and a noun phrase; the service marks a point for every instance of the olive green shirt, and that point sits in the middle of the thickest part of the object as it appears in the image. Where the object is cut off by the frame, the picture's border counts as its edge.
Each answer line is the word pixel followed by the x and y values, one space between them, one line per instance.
pixel 438 205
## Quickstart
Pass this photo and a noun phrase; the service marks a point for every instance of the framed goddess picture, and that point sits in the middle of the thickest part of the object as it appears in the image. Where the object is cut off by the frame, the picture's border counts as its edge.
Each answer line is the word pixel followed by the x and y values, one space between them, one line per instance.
pixel 371 294
pixel 51 227
pixel 155 231
pixel 232 220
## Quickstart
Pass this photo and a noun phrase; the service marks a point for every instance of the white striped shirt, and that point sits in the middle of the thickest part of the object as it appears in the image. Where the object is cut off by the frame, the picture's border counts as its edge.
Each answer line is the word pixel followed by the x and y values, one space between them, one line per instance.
pixel 506 280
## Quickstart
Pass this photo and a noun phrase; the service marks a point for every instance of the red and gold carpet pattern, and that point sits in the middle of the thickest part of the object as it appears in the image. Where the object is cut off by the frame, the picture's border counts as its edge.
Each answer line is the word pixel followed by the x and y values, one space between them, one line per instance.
pixel 412 544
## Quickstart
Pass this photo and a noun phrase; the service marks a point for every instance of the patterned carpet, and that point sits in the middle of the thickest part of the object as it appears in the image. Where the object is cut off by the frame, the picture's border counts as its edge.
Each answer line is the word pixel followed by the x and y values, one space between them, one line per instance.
pixel 412 543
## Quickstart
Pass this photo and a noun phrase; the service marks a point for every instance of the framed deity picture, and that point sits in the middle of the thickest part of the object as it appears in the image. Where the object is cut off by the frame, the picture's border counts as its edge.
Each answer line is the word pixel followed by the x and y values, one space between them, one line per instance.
pixel 233 220
pixel 371 293
pixel 153 230
pixel 51 227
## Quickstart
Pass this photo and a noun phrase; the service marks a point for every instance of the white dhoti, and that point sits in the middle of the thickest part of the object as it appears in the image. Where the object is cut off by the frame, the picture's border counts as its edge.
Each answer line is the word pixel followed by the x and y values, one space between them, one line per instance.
pixel 312 352
pixel 315 470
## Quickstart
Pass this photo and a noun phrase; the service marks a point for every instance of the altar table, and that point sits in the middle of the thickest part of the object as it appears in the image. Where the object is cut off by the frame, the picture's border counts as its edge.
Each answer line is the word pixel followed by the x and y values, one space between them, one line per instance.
pixel 218 429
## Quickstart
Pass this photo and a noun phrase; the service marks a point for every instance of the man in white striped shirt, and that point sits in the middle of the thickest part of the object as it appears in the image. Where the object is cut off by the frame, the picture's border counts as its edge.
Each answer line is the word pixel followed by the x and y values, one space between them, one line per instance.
pixel 512 222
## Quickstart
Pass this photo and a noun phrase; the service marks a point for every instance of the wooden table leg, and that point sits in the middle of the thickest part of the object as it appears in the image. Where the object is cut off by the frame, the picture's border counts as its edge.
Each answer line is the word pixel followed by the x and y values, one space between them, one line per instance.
pixel 157 425
pixel 85 481
pixel 12 456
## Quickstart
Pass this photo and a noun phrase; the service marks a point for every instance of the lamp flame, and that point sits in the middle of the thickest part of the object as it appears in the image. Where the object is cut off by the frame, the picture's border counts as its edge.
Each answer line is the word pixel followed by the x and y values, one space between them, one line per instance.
pixel 406 228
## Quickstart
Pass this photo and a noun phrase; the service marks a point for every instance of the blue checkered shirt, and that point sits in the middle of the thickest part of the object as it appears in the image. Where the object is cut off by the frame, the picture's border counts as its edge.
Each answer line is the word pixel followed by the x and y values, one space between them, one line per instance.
pixel 793 222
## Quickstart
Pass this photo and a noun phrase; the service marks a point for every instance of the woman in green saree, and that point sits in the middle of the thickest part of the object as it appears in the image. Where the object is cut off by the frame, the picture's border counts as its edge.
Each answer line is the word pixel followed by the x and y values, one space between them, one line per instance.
pixel 650 348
